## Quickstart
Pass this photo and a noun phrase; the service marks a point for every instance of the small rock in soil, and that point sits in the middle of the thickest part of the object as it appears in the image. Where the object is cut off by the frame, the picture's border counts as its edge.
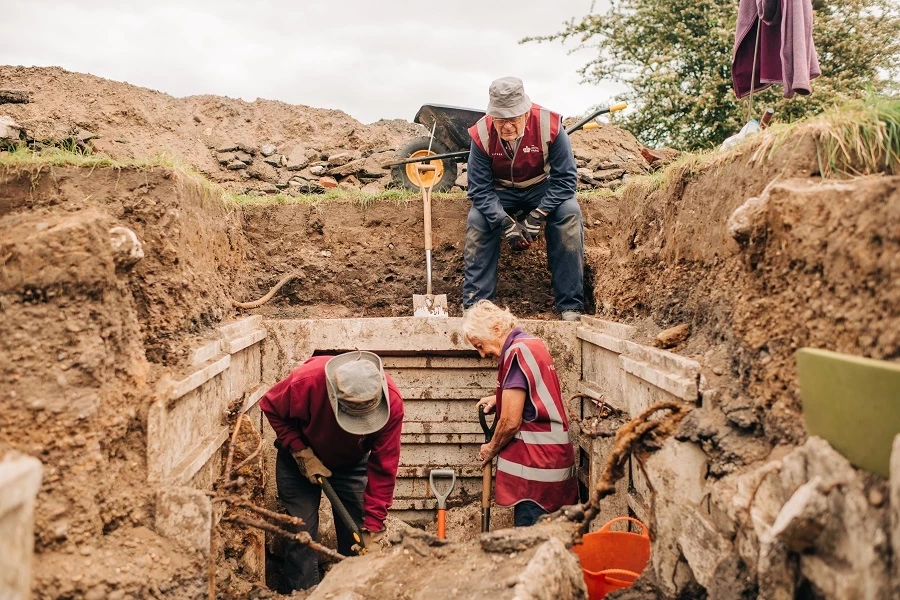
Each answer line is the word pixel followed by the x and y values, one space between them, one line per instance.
pixel 673 336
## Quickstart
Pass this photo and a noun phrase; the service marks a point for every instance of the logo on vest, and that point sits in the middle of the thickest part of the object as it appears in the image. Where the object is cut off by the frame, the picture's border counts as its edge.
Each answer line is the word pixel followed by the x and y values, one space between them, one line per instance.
pixel 531 149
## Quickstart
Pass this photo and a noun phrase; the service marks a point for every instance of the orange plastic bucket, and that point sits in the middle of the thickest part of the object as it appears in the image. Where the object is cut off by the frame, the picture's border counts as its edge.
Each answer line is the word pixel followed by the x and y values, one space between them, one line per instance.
pixel 611 560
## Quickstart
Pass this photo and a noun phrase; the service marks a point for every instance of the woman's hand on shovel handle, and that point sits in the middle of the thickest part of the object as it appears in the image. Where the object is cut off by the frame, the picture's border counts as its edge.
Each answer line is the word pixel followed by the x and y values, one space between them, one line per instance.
pixel 486 454
pixel 489 403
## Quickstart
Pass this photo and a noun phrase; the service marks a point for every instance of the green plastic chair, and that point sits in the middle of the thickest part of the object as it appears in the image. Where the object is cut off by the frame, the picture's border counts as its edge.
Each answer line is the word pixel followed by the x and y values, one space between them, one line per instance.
pixel 852 402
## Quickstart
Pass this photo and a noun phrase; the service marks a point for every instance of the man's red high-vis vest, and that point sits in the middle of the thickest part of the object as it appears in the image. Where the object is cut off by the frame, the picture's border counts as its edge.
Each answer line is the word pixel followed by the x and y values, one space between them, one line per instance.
pixel 539 463
pixel 531 163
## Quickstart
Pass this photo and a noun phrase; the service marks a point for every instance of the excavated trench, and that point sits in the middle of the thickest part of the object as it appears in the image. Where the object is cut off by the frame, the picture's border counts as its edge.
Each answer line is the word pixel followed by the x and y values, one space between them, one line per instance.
pixel 125 377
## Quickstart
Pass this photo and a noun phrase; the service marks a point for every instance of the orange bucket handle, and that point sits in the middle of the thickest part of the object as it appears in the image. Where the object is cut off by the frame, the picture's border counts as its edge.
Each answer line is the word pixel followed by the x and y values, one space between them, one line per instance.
pixel 645 532
pixel 619 574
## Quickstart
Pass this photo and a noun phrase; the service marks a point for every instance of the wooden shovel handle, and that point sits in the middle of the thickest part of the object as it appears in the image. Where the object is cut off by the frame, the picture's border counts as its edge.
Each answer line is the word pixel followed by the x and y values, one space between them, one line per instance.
pixel 486 487
pixel 426 202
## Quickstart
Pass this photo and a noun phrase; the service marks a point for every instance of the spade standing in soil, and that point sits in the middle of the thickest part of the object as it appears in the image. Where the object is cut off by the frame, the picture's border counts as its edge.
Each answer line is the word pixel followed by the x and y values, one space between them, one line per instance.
pixel 338 418
pixel 535 457
pixel 521 166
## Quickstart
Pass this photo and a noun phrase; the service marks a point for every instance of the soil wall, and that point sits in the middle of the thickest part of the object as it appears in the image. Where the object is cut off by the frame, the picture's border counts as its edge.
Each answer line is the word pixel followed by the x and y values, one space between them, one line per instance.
pixel 82 334
pixel 817 266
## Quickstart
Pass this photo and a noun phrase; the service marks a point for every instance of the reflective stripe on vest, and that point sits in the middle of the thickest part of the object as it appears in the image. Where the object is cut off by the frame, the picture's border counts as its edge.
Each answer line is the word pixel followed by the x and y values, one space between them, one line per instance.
pixel 484 135
pixel 556 421
pixel 543 437
pixel 533 473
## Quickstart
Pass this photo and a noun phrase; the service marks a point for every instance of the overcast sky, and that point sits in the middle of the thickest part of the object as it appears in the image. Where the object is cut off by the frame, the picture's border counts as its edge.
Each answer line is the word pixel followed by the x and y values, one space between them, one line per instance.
pixel 368 58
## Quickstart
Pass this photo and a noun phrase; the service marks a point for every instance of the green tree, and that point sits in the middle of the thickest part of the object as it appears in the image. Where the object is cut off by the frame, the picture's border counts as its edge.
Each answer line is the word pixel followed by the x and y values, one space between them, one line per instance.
pixel 675 58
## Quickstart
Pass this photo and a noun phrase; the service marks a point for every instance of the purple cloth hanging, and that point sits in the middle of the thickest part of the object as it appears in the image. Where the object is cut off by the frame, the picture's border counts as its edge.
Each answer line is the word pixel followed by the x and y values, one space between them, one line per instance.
pixel 787 55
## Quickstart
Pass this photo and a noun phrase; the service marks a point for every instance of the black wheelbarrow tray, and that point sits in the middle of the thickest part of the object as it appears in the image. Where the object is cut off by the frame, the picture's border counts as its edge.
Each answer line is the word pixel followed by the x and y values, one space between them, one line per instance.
pixel 451 143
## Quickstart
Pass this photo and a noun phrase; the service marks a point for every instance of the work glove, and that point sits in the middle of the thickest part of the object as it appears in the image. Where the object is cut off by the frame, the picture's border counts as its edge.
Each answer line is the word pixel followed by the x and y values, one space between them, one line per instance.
pixel 310 465
pixel 372 540
pixel 531 226
pixel 514 234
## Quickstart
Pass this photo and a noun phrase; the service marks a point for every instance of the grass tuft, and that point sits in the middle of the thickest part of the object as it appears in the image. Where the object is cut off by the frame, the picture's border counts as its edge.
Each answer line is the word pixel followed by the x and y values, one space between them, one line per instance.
pixel 858 138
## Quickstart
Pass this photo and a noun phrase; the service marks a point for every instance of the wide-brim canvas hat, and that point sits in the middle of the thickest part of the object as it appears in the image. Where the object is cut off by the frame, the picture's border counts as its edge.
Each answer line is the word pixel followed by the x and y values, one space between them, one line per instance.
pixel 358 391
pixel 507 99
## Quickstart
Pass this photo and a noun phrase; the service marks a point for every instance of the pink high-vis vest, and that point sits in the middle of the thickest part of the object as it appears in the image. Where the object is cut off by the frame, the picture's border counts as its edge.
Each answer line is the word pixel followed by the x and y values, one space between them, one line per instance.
pixel 531 164
pixel 539 463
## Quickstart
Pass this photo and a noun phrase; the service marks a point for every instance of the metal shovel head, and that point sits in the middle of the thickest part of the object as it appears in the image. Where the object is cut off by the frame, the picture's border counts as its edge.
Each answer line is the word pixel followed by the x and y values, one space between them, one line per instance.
pixel 440 494
pixel 430 305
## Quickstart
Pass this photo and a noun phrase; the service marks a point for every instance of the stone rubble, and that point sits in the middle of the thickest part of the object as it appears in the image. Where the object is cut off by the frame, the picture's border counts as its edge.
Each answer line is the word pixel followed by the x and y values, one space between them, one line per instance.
pixel 806 519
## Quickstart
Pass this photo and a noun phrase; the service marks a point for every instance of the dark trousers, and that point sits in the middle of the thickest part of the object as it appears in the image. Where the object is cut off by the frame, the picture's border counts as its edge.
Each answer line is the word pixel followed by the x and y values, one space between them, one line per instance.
pixel 526 513
pixel 563 230
pixel 301 499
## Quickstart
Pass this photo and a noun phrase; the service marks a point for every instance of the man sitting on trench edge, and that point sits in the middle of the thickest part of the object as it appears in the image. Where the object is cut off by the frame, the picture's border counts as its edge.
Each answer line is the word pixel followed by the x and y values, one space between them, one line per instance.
pixel 337 417
pixel 521 163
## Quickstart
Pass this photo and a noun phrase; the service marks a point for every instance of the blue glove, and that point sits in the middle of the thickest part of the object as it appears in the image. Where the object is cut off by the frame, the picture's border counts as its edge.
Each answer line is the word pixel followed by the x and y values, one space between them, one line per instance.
pixel 514 234
pixel 532 224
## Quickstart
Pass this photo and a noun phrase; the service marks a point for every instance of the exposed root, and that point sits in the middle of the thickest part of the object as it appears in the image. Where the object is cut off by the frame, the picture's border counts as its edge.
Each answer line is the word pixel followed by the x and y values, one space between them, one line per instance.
pixel 228 475
pixel 267 297
pixel 229 488
pixel 303 536
pixel 637 438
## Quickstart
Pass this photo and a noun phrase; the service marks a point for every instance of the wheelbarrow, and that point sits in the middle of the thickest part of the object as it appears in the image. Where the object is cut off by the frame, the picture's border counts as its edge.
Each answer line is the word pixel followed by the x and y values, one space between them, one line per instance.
pixel 451 144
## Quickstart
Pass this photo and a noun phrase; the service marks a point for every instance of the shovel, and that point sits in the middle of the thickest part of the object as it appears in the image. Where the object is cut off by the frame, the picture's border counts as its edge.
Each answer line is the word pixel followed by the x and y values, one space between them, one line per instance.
pixel 486 472
pixel 428 305
pixel 359 546
pixel 442 498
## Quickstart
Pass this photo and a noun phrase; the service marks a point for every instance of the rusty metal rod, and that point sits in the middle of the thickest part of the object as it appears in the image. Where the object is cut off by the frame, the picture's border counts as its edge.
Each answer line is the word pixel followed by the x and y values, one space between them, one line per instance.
pixel 303 537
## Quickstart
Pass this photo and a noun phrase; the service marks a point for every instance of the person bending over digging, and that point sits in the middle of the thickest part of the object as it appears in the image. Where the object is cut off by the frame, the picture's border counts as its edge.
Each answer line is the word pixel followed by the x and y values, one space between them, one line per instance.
pixel 535 457
pixel 340 418
pixel 521 167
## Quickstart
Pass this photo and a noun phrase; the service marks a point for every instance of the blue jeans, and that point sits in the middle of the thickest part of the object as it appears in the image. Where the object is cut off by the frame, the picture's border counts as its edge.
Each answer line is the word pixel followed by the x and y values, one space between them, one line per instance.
pixel 526 513
pixel 301 499
pixel 565 249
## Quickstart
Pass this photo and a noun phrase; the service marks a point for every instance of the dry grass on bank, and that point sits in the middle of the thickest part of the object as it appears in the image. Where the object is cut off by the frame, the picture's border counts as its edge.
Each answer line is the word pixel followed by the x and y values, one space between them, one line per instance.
pixel 858 138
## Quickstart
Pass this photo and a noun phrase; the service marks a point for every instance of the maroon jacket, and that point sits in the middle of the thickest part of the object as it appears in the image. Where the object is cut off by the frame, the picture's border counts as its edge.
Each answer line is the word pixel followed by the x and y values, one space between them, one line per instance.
pixel 301 415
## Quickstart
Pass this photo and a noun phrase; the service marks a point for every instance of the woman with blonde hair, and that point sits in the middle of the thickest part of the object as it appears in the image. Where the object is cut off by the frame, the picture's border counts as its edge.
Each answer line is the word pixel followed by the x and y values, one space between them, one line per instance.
pixel 535 457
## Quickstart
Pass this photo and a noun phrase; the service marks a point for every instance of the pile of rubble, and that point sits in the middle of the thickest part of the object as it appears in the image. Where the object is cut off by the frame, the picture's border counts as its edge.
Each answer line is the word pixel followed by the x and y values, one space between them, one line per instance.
pixel 305 170
pixel 73 139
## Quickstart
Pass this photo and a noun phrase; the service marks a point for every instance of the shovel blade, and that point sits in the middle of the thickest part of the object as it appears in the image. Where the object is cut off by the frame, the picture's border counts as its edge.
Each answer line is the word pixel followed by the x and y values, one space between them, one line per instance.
pixel 430 305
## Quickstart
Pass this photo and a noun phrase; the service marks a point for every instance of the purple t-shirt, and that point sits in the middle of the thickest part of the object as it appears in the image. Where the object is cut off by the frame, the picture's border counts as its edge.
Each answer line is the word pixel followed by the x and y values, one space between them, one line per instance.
pixel 515 377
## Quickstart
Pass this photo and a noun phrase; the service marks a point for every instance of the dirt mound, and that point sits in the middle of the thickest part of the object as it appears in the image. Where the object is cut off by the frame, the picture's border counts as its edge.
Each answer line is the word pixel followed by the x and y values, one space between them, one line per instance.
pixel 260 147
pixel 135 122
